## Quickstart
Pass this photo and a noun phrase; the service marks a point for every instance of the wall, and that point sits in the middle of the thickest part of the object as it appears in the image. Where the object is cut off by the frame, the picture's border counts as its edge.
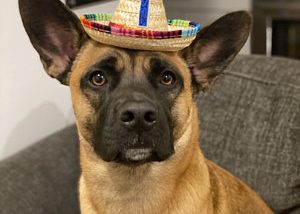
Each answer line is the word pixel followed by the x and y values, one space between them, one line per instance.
pixel 206 11
pixel 32 105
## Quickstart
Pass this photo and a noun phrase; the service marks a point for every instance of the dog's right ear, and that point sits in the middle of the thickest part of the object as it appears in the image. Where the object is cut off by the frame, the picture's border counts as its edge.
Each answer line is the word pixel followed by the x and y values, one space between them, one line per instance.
pixel 215 47
pixel 55 32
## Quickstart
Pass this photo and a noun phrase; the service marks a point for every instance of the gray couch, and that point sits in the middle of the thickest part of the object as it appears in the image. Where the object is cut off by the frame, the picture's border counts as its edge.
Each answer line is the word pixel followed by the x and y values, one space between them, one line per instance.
pixel 250 126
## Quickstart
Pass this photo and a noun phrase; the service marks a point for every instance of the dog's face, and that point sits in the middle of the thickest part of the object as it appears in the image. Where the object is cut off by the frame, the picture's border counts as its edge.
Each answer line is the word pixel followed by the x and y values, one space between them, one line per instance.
pixel 129 101
pixel 131 106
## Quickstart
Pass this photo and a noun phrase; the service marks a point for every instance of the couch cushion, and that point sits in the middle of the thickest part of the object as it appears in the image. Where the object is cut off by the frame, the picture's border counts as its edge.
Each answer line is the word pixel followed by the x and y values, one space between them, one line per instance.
pixel 251 127
pixel 43 178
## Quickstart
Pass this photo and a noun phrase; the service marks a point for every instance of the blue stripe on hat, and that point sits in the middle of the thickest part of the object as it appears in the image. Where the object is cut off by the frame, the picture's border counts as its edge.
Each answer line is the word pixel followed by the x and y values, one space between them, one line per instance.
pixel 144 10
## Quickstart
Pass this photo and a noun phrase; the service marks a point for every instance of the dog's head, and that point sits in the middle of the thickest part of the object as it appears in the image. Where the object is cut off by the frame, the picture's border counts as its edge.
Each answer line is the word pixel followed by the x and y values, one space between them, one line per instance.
pixel 130 105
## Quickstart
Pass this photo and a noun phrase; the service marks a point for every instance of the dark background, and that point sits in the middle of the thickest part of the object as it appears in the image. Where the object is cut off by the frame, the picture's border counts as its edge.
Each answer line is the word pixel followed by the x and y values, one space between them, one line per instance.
pixel 74 3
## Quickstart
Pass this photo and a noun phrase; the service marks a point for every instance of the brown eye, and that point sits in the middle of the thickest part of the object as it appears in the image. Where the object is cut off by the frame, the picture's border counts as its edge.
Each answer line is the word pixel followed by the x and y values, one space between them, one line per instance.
pixel 168 78
pixel 98 78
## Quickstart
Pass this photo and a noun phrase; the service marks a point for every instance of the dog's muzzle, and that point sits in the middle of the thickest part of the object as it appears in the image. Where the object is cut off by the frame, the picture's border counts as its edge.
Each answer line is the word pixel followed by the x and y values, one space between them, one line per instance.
pixel 136 129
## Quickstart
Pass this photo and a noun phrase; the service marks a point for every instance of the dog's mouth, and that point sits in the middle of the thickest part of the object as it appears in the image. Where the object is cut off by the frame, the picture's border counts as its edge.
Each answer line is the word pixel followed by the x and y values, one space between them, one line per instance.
pixel 141 152
pixel 138 151
pixel 138 154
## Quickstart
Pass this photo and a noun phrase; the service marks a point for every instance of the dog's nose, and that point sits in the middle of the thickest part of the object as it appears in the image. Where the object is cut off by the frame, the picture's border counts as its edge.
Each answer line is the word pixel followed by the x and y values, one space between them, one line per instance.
pixel 138 115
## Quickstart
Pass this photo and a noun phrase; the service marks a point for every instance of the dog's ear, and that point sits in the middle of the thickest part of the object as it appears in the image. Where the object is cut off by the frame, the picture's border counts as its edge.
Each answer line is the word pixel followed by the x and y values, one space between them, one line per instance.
pixel 55 32
pixel 216 46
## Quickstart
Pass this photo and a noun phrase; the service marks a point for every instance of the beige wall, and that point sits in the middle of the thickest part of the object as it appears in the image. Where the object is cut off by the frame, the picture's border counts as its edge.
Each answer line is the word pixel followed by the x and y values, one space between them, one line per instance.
pixel 32 105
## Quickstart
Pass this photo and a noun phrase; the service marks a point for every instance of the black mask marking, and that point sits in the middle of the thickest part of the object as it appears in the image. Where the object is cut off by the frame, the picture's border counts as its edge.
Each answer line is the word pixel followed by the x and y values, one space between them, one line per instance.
pixel 132 114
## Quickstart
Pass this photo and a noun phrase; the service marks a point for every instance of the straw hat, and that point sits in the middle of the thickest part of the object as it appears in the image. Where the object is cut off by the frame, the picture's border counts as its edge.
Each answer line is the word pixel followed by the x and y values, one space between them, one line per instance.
pixel 142 25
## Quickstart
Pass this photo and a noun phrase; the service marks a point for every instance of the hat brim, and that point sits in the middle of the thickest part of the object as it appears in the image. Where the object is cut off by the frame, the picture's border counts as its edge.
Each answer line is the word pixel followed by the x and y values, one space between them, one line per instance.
pixel 180 34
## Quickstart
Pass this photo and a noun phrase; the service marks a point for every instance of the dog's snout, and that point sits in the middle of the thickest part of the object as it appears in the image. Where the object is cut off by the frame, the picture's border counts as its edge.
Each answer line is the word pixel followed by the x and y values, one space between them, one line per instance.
pixel 141 115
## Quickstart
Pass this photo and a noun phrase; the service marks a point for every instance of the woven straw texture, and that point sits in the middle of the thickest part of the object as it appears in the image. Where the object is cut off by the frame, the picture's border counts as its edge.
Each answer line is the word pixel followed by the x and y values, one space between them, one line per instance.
pixel 174 44
pixel 142 25
pixel 128 12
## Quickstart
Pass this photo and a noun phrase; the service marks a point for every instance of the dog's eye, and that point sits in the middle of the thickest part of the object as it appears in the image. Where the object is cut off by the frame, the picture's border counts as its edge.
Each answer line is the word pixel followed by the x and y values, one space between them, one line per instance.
pixel 98 78
pixel 168 78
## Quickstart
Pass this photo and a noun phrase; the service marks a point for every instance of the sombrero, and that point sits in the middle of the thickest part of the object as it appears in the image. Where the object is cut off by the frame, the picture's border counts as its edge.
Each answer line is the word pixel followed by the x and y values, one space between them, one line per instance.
pixel 142 25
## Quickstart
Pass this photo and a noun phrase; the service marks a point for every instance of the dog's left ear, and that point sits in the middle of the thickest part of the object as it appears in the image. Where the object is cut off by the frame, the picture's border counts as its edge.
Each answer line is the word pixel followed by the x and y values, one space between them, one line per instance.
pixel 55 32
pixel 216 46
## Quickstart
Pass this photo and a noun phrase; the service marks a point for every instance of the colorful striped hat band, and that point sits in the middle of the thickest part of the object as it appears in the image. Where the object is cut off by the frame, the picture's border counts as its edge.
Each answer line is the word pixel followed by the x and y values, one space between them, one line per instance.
pixel 142 25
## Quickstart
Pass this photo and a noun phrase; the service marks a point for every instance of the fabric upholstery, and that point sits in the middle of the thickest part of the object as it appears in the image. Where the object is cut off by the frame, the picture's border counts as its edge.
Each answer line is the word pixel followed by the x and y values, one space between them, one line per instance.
pixel 43 178
pixel 250 126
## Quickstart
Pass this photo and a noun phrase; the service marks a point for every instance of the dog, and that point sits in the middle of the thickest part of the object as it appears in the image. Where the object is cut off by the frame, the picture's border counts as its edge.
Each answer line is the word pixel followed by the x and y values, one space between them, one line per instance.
pixel 136 115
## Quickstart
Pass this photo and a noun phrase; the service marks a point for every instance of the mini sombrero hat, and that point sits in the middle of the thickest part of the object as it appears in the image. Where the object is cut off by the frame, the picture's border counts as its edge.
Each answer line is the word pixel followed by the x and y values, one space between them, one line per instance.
pixel 142 25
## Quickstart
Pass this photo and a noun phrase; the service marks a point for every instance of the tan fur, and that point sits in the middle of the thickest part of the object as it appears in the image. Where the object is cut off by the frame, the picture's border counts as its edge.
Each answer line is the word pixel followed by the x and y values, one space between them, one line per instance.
pixel 185 183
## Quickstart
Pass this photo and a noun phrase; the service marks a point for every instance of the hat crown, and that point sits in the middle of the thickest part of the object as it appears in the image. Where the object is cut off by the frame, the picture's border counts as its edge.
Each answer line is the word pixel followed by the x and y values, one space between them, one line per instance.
pixel 145 14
